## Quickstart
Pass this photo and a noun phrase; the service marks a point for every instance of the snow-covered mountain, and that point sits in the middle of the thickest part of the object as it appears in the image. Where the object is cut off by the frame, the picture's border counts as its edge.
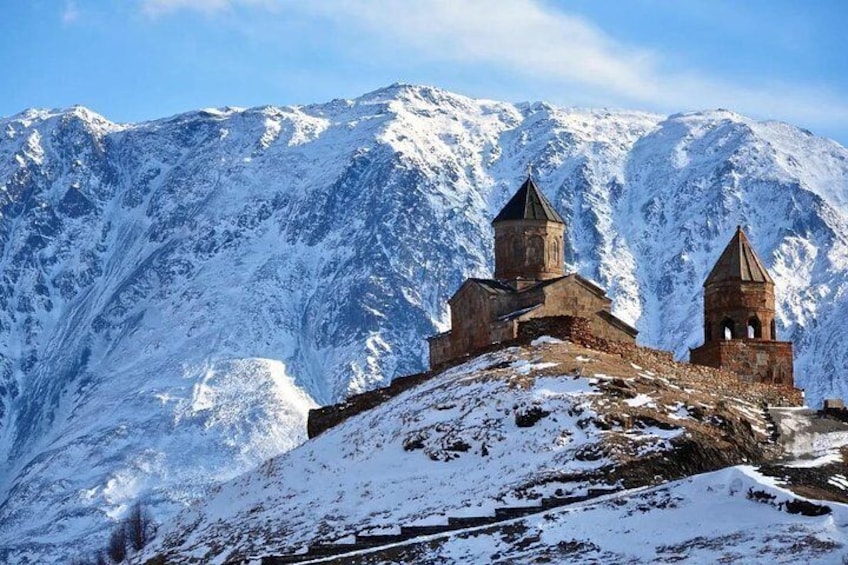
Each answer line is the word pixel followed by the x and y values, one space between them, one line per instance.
pixel 175 295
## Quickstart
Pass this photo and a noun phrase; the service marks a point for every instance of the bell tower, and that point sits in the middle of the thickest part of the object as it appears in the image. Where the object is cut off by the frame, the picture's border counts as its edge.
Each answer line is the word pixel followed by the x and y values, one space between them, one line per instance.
pixel 528 238
pixel 740 333
pixel 739 295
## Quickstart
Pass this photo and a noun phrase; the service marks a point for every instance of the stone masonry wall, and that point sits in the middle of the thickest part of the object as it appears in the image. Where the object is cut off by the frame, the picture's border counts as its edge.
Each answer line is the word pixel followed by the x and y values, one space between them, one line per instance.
pixel 738 302
pixel 472 312
pixel 563 327
pixel 568 328
pixel 572 298
pixel 576 330
pixel 440 348
pixel 753 360
pixel 728 383
pixel 326 417
pixel 529 249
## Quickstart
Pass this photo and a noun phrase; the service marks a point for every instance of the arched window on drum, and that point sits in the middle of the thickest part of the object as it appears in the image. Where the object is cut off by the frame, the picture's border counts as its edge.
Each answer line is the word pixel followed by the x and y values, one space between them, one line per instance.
pixel 535 251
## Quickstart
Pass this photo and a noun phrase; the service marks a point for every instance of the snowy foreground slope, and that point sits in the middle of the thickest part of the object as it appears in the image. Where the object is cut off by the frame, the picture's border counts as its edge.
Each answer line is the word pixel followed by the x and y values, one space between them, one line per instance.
pixel 175 295
pixel 452 447
pixel 708 518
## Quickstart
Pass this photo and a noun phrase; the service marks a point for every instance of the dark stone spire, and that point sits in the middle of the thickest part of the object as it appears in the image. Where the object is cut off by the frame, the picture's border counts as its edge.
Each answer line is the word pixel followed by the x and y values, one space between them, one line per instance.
pixel 738 262
pixel 528 204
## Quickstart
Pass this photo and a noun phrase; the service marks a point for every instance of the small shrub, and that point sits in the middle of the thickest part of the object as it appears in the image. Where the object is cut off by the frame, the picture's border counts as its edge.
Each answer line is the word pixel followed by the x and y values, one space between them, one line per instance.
pixel 528 417
pixel 806 508
pixel 458 445
pixel 138 527
pixel 117 547
pixel 413 442
pixel 760 496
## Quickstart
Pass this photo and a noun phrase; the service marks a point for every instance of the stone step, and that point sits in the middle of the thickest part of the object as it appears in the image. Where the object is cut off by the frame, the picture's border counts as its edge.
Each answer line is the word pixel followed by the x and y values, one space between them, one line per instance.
pixel 380 539
pixel 347 548
pixel 556 501
pixel 471 521
pixel 330 548
pixel 601 491
pixel 415 531
pixel 516 511
pixel 410 532
pixel 317 551
pixel 286 559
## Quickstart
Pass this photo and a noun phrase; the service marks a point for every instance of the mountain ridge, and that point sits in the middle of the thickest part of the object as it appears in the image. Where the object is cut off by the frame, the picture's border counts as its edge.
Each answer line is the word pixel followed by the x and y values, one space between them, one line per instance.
pixel 315 246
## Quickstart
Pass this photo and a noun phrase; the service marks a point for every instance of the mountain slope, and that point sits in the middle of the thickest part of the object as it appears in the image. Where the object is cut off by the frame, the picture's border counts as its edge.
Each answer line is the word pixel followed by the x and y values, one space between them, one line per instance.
pixel 714 520
pixel 733 515
pixel 317 245
pixel 514 428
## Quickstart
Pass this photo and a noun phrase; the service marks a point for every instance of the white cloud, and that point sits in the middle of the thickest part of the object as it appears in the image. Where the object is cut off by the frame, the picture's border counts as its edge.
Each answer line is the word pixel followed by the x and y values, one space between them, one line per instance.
pixel 71 14
pixel 532 39
pixel 523 35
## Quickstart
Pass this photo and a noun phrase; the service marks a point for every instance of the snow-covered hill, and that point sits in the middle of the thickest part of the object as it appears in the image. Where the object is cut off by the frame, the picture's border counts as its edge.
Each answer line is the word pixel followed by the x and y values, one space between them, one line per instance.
pixel 511 429
pixel 171 291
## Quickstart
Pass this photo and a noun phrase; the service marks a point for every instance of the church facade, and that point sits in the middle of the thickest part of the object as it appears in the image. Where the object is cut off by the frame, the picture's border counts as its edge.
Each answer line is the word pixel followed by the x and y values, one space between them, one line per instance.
pixel 529 282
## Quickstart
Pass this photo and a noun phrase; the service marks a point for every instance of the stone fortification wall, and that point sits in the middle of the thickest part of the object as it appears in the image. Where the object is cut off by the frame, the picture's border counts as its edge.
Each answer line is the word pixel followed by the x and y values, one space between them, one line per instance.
pixel 576 330
pixel 662 362
pixel 441 348
pixel 753 360
pixel 326 417
pixel 567 328
pixel 570 328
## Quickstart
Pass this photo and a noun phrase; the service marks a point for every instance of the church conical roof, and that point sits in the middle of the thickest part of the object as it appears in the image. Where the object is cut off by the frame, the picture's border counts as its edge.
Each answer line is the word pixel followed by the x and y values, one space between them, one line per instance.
pixel 528 204
pixel 738 262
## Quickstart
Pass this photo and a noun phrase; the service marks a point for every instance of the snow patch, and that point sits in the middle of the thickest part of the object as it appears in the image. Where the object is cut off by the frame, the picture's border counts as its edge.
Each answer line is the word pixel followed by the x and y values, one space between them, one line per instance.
pixel 545 339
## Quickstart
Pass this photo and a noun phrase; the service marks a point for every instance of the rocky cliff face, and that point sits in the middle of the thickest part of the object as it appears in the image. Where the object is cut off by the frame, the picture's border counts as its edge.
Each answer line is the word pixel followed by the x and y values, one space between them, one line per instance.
pixel 174 295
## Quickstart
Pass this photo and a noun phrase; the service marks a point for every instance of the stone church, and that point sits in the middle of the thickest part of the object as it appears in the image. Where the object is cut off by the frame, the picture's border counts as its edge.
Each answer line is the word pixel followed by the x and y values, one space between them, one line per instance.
pixel 740 334
pixel 529 283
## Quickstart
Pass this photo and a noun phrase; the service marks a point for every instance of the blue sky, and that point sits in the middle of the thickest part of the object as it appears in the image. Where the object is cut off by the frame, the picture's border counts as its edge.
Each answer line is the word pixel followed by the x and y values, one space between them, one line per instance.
pixel 132 60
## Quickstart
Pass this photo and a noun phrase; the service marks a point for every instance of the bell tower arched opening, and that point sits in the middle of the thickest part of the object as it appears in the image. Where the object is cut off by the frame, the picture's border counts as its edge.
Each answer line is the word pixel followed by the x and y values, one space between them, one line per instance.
pixel 727 329
pixel 755 328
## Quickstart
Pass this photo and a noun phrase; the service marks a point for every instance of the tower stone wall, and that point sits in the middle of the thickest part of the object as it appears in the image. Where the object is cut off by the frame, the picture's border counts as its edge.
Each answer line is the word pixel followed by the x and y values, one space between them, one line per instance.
pixel 753 360
pixel 529 250
pixel 745 309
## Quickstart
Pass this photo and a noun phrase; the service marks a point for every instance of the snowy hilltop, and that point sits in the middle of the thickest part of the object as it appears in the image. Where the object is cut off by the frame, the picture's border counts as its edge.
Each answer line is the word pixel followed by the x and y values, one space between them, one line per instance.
pixel 175 295
pixel 599 452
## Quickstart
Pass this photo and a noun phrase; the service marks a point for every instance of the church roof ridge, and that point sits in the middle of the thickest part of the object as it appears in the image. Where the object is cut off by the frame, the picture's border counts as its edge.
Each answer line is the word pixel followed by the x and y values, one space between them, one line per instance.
pixel 738 262
pixel 528 203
